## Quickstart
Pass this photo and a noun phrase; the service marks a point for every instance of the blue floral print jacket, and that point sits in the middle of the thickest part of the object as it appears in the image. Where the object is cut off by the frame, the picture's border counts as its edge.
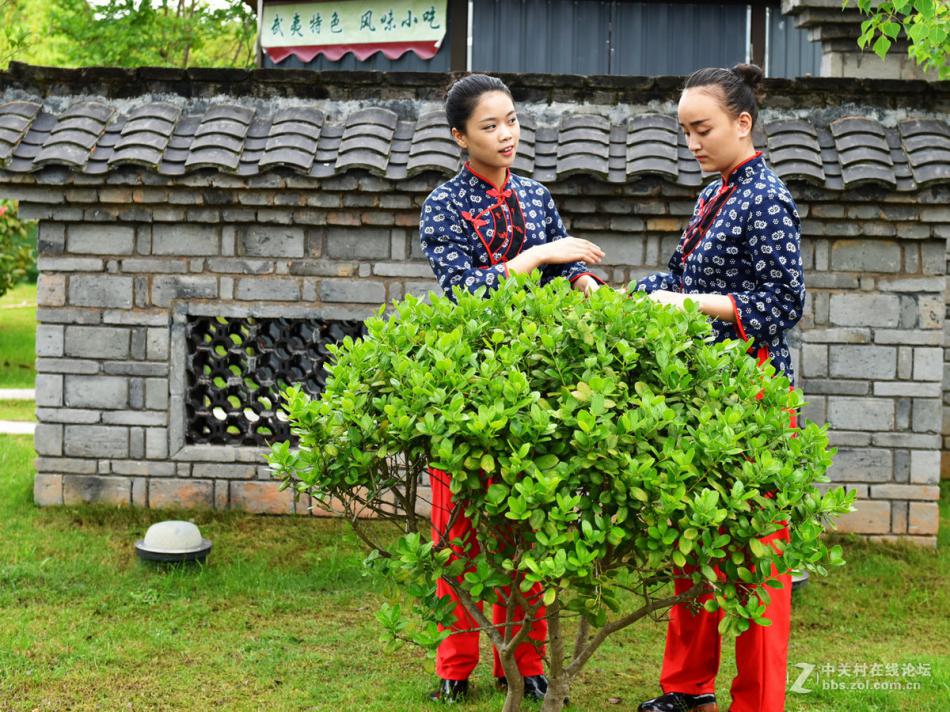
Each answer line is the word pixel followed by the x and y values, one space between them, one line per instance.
pixel 470 228
pixel 744 241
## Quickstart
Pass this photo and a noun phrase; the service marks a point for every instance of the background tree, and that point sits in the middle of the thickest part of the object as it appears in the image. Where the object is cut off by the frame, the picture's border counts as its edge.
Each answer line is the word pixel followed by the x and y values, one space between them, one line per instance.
pixel 596 445
pixel 925 24
pixel 17 247
pixel 129 33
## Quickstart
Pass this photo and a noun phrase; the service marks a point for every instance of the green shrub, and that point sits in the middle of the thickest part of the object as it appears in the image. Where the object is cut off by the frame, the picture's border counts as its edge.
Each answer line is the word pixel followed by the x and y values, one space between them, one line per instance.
pixel 597 443
pixel 17 247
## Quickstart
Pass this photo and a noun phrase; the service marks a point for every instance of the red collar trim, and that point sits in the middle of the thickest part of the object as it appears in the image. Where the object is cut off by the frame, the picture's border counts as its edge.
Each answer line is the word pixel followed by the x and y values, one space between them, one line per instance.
pixel 732 171
pixel 468 167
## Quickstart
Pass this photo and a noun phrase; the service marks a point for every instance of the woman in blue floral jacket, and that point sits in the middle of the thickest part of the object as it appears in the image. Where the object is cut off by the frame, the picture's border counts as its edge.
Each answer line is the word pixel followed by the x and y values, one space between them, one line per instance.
pixel 739 260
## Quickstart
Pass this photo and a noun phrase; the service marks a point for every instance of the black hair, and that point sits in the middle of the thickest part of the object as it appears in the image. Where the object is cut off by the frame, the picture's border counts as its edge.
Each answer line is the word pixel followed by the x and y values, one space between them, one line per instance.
pixel 738 86
pixel 463 96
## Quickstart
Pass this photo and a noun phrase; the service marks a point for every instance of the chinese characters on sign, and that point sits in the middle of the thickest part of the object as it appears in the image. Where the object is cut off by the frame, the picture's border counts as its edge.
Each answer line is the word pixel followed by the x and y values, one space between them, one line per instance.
pixel 332 29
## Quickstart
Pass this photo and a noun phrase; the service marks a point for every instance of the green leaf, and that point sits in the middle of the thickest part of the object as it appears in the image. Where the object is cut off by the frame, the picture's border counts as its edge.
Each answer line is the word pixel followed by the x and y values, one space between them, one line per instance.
pixel 881 46
pixel 546 462
pixel 925 8
pixel 549 596
pixel 891 29
pixel 639 494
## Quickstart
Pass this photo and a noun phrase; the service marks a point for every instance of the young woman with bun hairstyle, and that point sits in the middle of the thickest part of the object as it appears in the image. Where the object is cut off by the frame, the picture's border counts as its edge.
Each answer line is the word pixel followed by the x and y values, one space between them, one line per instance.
pixel 476 229
pixel 739 260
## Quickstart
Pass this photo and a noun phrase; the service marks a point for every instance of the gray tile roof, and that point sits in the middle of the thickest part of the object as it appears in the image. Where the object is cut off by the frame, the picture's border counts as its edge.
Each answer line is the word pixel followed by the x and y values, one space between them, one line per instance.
pixel 15 121
pixel 145 135
pixel 583 145
pixel 75 135
pixel 433 146
pixel 927 146
pixel 653 146
pixel 292 140
pixel 367 140
pixel 243 137
pixel 863 152
pixel 794 151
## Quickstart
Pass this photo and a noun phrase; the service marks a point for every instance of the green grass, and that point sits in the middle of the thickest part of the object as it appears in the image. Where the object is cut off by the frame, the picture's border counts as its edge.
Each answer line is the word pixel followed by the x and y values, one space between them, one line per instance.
pixel 281 618
pixel 17 337
pixel 17 410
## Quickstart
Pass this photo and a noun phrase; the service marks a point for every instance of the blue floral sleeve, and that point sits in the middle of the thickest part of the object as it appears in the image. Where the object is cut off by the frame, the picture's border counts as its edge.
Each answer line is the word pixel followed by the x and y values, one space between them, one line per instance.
pixel 772 239
pixel 449 249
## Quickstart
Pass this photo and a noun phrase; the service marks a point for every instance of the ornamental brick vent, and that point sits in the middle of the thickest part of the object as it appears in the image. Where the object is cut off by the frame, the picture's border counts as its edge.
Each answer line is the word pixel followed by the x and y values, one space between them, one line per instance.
pixel 237 369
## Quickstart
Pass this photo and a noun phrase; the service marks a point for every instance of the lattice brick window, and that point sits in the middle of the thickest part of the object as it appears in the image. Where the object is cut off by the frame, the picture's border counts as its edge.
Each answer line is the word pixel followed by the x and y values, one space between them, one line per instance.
pixel 236 369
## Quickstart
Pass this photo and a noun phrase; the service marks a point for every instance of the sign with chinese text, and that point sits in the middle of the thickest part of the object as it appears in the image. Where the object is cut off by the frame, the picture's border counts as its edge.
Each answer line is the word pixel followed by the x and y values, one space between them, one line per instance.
pixel 307 29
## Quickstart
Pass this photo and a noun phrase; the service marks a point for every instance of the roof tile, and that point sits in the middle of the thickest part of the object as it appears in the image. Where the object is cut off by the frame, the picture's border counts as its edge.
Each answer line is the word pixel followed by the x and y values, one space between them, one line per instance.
pixel 583 145
pixel 794 151
pixel 653 146
pixel 432 146
pixel 367 140
pixel 927 146
pixel 72 138
pixel 219 138
pixel 863 152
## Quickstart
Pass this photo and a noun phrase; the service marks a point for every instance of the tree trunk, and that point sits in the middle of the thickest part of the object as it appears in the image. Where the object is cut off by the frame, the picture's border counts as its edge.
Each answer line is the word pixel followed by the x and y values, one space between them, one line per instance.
pixel 559 689
pixel 559 682
pixel 515 681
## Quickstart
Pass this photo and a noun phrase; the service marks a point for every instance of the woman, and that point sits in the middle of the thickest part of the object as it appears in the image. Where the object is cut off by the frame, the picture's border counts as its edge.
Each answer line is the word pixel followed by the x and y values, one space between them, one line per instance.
pixel 476 229
pixel 739 260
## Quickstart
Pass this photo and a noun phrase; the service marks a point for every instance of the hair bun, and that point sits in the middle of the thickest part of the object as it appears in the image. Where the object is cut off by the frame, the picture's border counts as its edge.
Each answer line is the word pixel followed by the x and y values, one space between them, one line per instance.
pixel 750 74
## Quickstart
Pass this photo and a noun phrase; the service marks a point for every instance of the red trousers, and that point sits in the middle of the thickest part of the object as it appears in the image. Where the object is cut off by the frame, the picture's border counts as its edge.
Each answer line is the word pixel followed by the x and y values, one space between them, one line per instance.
pixel 458 654
pixel 693 645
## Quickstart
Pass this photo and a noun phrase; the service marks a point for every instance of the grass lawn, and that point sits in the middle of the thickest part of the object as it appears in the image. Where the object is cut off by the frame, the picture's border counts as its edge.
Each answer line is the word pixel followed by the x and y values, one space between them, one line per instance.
pixel 281 618
pixel 17 337
pixel 17 410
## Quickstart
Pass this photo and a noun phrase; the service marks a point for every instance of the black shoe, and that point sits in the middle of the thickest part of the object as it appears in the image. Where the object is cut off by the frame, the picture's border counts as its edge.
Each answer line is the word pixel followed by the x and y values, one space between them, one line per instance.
pixel 450 691
pixel 680 702
pixel 535 686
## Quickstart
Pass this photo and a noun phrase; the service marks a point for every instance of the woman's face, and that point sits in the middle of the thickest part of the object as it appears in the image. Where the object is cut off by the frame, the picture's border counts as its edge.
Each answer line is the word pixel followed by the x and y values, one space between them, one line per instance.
pixel 492 131
pixel 717 139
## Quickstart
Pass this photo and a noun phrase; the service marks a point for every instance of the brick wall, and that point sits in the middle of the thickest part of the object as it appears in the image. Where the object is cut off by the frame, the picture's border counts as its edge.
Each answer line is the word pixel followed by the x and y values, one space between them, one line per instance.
pixel 118 263
pixel 129 252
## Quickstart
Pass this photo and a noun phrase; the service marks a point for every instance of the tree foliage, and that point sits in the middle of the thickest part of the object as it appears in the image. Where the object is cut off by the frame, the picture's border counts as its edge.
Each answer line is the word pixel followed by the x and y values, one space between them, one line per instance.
pixel 925 23
pixel 17 249
pixel 597 445
pixel 130 33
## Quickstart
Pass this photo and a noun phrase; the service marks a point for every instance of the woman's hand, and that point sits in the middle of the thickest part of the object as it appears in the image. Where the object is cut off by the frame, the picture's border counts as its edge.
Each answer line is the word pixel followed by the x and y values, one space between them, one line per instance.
pixel 586 284
pixel 663 296
pixel 558 252
pixel 570 249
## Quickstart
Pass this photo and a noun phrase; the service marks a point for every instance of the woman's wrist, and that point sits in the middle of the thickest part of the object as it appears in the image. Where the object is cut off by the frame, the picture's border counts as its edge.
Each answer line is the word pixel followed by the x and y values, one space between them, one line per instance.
pixel 718 306
pixel 528 261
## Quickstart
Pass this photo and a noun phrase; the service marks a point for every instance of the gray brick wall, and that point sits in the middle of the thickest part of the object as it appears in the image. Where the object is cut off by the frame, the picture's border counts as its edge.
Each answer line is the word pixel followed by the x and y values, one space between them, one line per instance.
pixel 871 348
